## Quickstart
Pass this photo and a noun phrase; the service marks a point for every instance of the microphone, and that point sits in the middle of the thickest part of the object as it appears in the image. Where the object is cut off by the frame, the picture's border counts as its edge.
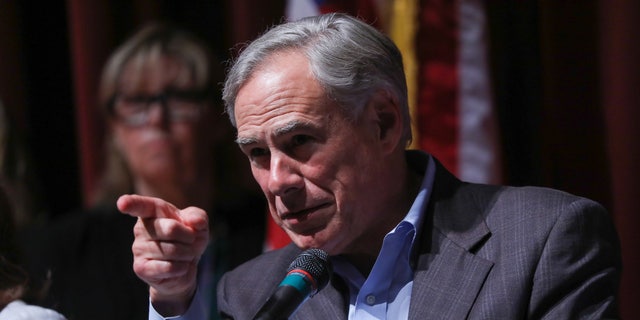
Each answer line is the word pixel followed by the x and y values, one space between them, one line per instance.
pixel 306 275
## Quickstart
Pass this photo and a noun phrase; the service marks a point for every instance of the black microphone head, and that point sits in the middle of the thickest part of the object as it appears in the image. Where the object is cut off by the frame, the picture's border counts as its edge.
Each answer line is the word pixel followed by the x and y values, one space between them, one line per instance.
pixel 307 275
pixel 316 263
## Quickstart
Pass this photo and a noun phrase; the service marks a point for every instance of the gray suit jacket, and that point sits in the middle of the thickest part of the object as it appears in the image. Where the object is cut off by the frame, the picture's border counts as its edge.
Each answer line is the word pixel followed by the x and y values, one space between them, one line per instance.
pixel 486 252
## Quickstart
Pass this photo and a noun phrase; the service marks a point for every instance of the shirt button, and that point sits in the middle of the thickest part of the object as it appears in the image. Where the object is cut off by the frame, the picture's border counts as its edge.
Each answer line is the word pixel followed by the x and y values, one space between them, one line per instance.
pixel 371 300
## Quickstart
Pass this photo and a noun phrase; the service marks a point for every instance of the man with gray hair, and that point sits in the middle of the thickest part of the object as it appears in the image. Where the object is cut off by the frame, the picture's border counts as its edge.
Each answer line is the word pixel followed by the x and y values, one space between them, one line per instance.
pixel 320 108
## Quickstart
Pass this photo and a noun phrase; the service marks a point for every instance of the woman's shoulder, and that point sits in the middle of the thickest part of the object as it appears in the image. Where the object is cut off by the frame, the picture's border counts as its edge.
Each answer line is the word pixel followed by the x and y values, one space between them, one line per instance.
pixel 19 310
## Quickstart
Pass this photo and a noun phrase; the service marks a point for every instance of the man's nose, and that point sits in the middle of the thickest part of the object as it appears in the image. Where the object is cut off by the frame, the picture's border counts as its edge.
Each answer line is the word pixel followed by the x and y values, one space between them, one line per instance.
pixel 284 176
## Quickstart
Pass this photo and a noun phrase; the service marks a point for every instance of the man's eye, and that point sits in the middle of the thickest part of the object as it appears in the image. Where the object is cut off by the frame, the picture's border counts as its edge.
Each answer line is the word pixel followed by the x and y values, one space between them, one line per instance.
pixel 299 140
pixel 257 152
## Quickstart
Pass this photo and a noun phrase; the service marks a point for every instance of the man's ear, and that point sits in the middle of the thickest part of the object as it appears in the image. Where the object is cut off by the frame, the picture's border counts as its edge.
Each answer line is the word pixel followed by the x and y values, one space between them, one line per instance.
pixel 388 119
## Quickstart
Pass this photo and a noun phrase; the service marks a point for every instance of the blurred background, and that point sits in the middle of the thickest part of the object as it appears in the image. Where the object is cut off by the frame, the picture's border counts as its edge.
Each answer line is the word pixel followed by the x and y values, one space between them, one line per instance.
pixel 516 92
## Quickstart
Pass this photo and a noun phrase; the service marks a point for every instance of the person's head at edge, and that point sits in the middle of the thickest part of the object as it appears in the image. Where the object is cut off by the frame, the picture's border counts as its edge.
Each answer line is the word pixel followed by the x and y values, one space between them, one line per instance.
pixel 158 93
pixel 320 107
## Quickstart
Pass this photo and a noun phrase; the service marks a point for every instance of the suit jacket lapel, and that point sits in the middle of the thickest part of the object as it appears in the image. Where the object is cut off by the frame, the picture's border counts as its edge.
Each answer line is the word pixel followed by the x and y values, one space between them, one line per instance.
pixel 446 284
pixel 448 275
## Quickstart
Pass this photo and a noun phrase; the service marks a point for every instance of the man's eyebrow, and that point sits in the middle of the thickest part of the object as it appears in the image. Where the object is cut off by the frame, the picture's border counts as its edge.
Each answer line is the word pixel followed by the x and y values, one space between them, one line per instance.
pixel 287 128
pixel 244 141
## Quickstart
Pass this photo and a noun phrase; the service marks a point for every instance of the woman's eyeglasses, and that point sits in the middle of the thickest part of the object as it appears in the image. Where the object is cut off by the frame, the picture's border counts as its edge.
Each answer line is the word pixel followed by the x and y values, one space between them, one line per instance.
pixel 177 106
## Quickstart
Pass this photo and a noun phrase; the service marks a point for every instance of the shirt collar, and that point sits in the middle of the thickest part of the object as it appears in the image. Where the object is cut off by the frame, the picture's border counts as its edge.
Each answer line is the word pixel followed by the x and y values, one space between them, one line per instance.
pixel 423 163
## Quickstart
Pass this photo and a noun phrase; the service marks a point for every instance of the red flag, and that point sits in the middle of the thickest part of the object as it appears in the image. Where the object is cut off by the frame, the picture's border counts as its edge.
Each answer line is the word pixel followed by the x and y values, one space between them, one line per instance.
pixel 456 121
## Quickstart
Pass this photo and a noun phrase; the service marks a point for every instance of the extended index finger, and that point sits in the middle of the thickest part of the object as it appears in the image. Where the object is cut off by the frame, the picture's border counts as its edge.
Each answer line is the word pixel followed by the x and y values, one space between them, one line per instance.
pixel 147 207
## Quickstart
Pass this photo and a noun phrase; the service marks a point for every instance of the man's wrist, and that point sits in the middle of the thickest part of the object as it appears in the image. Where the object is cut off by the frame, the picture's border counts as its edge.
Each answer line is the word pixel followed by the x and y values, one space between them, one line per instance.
pixel 197 310
pixel 171 306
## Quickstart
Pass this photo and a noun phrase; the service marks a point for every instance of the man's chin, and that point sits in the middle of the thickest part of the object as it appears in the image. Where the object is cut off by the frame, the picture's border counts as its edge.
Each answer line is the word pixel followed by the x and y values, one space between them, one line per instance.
pixel 315 241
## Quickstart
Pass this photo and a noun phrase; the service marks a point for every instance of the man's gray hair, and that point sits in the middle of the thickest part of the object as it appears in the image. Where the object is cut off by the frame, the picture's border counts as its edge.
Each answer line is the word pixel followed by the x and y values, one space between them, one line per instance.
pixel 350 59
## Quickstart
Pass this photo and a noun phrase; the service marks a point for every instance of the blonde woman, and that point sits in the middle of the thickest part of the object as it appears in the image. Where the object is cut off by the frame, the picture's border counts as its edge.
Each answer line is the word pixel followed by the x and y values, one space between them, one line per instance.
pixel 166 138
